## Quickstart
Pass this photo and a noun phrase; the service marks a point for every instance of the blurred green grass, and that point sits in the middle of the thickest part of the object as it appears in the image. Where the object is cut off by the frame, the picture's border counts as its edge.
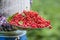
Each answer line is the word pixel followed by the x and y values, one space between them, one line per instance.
pixel 50 10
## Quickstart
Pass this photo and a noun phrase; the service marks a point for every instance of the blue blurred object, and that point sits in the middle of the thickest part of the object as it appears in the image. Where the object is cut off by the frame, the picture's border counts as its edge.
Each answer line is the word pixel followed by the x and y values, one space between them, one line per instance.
pixel 24 37
pixel 2 38
pixel 18 35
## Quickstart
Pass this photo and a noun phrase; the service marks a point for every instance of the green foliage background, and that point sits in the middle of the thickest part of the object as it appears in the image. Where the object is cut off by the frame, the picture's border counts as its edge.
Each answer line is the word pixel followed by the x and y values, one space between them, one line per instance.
pixel 50 10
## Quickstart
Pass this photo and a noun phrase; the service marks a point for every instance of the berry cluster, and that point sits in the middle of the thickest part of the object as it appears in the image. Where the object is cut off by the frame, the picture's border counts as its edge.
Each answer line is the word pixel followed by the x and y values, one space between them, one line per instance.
pixel 29 19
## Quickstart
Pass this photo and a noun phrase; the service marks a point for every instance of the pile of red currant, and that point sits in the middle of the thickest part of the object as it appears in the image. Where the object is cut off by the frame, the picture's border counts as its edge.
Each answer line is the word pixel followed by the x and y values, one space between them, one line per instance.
pixel 29 19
